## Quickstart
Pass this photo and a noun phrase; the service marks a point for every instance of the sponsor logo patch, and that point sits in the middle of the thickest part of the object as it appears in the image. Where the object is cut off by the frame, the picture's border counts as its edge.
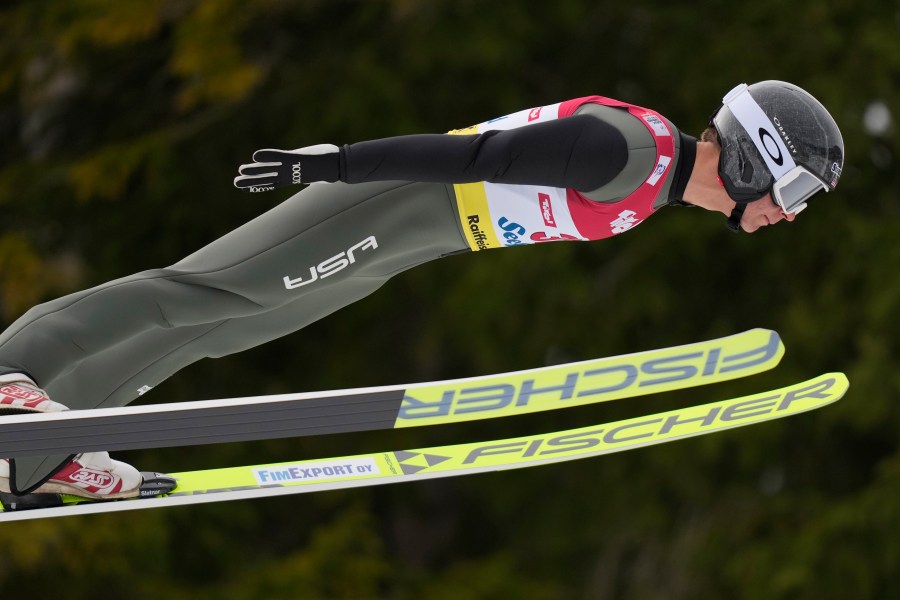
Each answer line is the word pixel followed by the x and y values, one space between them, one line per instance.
pixel 561 388
pixel 835 174
pixel 659 170
pixel 480 237
pixel 657 125
pixel 18 393
pixel 627 219
pixel 767 140
pixel 785 136
pixel 100 479
pixel 546 210
pixel 330 266
pixel 512 232
pixel 317 471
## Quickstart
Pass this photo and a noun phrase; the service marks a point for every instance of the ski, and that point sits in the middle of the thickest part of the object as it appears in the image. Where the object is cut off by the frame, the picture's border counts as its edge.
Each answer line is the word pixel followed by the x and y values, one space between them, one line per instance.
pixel 361 409
pixel 465 459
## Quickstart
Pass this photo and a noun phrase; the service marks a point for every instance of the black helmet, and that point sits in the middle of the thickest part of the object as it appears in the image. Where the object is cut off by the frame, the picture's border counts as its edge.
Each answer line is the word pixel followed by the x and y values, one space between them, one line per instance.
pixel 776 138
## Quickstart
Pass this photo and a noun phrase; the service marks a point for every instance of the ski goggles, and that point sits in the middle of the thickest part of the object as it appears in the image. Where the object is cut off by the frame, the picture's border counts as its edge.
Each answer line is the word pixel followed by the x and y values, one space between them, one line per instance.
pixel 794 188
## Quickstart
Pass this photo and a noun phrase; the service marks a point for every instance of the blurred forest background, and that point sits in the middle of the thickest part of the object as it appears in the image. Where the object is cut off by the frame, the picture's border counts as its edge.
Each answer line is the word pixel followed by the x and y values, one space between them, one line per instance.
pixel 123 123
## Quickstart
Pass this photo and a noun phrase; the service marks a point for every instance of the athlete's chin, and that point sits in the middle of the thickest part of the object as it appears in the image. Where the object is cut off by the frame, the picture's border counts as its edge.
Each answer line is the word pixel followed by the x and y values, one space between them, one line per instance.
pixel 750 227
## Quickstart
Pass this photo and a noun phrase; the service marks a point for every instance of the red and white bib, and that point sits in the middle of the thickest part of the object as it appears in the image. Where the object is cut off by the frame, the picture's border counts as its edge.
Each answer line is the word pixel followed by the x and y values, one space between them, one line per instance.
pixel 495 215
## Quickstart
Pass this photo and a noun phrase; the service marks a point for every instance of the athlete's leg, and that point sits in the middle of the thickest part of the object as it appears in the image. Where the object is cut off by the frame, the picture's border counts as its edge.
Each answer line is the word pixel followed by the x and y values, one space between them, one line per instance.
pixel 157 354
pixel 410 223
pixel 251 286
pixel 240 275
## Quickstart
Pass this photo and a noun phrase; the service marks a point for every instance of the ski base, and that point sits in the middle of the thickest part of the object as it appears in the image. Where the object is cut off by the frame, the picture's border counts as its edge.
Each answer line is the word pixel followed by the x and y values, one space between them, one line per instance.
pixel 464 459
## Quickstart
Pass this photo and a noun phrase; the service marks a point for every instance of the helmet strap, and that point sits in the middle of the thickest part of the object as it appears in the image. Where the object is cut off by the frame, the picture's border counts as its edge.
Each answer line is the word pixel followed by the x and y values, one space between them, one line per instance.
pixel 734 221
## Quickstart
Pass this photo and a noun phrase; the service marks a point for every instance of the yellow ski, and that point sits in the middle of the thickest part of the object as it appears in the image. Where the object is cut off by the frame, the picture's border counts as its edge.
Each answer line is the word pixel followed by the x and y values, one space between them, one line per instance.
pixel 433 403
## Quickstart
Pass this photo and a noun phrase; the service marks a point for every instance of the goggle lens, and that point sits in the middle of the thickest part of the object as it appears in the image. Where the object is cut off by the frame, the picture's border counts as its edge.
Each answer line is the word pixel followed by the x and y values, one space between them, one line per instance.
pixel 792 190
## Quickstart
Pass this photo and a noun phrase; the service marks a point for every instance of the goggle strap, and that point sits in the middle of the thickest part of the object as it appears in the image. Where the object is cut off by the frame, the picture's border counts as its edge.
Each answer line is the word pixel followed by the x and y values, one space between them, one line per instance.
pixel 760 130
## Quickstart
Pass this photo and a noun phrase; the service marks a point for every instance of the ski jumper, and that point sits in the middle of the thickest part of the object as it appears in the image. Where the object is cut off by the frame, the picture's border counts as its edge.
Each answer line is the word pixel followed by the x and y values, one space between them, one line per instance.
pixel 584 169
pixel 497 214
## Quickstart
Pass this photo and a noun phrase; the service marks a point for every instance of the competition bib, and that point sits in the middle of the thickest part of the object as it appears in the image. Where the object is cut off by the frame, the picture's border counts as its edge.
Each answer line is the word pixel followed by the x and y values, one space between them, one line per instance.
pixel 495 215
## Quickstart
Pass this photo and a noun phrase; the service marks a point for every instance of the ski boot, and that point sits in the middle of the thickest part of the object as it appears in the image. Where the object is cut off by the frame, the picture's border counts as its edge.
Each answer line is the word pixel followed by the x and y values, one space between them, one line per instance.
pixel 91 475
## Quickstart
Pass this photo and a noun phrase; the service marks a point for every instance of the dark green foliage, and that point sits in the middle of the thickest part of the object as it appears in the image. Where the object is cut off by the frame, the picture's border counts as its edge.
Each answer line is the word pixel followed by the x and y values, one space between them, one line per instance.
pixel 123 124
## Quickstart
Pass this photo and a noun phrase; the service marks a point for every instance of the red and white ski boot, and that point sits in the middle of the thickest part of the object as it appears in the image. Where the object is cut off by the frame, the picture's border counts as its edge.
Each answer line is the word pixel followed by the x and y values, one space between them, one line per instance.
pixel 20 395
pixel 92 475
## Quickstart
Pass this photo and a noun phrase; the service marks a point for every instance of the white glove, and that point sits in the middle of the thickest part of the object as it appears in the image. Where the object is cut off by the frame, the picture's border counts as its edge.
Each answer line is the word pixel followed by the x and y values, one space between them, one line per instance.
pixel 278 168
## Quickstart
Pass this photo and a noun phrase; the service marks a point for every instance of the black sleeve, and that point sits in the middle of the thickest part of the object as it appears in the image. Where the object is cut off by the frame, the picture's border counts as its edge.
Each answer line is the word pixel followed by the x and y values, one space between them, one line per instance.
pixel 580 152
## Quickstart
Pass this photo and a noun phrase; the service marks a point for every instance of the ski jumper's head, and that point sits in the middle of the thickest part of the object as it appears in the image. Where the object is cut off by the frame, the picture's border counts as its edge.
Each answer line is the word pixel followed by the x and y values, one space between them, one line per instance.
pixel 776 142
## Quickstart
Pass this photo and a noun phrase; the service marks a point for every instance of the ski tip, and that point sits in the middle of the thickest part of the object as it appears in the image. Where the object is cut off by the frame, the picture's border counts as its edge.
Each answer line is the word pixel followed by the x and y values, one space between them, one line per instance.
pixel 841 381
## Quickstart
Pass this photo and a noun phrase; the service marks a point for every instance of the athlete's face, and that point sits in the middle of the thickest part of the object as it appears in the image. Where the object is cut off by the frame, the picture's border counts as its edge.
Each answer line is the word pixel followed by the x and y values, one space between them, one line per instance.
pixel 763 212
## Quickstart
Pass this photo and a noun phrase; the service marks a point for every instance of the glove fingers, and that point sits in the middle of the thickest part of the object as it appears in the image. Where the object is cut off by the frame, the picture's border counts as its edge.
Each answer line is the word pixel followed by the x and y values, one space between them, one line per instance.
pixel 268 155
pixel 254 184
pixel 278 168
pixel 260 169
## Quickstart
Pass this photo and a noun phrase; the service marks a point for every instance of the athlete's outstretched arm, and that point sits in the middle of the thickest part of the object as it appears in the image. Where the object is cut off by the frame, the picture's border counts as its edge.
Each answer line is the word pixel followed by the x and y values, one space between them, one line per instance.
pixel 580 152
